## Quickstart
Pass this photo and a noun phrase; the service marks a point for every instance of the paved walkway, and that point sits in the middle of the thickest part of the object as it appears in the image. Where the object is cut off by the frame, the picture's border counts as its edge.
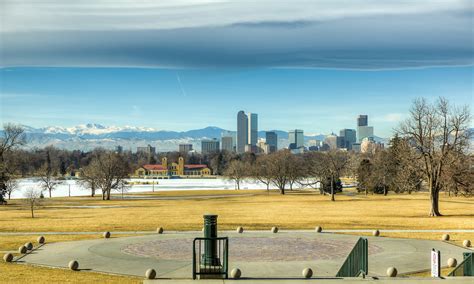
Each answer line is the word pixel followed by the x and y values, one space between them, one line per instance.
pixel 381 280
pixel 257 254
pixel 255 231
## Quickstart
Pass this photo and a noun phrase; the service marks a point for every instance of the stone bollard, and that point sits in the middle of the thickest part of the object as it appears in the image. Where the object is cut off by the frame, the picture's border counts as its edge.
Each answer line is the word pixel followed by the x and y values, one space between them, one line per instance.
pixel 392 272
pixel 274 230
pixel 376 233
pixel 240 230
pixel 106 235
pixel 41 240
pixel 445 237
pixel 8 257
pixel 452 262
pixel 73 265
pixel 466 243
pixel 159 230
pixel 29 246
pixel 235 273
pixel 318 229
pixel 307 273
pixel 150 273
pixel 22 249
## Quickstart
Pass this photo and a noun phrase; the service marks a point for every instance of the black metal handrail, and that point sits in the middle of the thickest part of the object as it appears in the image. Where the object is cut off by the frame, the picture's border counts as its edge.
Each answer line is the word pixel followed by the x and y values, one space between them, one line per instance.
pixel 216 264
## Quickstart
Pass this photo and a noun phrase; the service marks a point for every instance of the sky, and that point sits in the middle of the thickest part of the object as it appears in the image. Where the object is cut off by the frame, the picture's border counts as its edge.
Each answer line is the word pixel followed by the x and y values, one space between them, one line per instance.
pixel 180 65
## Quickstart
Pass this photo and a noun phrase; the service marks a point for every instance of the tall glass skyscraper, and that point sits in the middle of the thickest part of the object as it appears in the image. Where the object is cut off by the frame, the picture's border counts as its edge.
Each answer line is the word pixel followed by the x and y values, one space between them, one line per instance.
pixel 247 130
pixel 363 130
pixel 296 139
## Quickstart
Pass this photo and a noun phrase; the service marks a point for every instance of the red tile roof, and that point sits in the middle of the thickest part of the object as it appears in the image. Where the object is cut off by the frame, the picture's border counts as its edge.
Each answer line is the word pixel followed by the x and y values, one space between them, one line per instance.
pixel 154 167
pixel 195 166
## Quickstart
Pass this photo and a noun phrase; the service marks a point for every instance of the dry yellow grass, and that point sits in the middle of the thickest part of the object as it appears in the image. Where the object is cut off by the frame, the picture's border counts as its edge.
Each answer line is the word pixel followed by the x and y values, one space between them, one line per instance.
pixel 295 210
pixel 18 273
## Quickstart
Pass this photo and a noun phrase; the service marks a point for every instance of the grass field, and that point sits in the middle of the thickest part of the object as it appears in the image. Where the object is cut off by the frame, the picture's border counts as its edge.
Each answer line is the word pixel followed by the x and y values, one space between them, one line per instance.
pixel 250 209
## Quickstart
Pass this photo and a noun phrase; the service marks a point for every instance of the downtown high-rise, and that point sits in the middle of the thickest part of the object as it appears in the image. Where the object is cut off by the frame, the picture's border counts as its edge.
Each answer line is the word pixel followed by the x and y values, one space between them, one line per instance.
pixel 247 131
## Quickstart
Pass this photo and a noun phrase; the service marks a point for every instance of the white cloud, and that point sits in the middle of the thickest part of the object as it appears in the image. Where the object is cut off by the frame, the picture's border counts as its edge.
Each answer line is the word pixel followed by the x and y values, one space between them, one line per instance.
pixel 355 34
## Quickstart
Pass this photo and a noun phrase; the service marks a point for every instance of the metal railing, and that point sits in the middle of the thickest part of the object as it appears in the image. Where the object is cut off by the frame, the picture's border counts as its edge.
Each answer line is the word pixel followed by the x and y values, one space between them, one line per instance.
pixel 211 257
pixel 357 262
pixel 466 267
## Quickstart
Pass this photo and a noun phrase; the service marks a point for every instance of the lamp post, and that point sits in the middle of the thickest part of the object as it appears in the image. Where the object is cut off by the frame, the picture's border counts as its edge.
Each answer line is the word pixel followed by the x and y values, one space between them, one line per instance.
pixel 210 256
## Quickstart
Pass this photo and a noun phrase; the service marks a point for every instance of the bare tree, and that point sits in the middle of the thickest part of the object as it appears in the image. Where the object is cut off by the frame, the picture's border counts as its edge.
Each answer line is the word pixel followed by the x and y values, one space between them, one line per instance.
pixel 279 168
pixel 436 130
pixel 49 181
pixel 238 171
pixel 11 186
pixel 108 171
pixel 12 137
pixel 32 199
pixel 330 166
pixel 261 170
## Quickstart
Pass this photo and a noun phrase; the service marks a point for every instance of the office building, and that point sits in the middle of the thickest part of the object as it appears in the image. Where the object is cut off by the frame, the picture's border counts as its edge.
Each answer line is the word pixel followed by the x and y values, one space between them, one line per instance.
pixel 148 150
pixel 363 128
pixel 227 143
pixel 365 132
pixel 247 130
pixel 263 146
pixel 185 148
pixel 363 120
pixel 348 138
pixel 296 139
pixel 209 146
pixel 271 138
pixel 118 149
pixel 331 142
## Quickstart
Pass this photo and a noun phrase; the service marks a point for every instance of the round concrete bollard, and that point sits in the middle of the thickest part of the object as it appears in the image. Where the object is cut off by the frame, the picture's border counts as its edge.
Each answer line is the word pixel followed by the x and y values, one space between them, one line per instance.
pixel 41 240
pixel 452 262
pixel 150 274
pixel 235 273
pixel 466 243
pixel 22 249
pixel 8 257
pixel 239 230
pixel 307 273
pixel 274 230
pixel 392 272
pixel 318 229
pixel 29 246
pixel 445 237
pixel 106 235
pixel 73 265
pixel 159 230
pixel 376 233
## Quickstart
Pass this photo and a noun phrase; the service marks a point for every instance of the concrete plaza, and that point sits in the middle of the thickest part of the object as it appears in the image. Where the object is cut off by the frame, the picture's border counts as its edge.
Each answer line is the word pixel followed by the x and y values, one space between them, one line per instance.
pixel 259 254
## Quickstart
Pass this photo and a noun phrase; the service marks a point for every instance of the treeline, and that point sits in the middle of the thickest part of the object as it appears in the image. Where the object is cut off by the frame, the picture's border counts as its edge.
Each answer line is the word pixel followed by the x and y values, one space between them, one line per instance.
pixel 430 150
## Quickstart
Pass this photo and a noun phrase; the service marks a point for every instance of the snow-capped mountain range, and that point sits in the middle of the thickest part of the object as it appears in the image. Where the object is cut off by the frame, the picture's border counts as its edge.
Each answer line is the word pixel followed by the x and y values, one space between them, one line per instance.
pixel 88 136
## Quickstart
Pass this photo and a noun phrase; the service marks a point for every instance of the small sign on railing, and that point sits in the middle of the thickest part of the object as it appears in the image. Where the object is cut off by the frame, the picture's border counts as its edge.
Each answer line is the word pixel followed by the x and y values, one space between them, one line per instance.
pixel 435 263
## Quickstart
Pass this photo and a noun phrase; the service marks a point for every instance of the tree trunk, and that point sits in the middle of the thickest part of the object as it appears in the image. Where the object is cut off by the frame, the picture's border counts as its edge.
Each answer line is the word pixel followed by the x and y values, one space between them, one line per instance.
pixel 237 182
pixel 108 194
pixel 268 186
pixel 9 194
pixel 385 190
pixel 92 191
pixel 49 192
pixel 332 189
pixel 434 198
pixel 282 190
pixel 32 213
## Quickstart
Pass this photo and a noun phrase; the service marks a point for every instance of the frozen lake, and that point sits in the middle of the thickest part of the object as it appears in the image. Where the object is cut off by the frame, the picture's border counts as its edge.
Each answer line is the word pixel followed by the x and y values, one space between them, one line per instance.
pixel 75 188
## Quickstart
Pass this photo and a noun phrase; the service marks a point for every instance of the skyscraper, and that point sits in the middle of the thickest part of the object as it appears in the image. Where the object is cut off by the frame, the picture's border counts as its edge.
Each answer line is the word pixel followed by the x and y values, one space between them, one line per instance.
pixel 209 146
pixel 271 139
pixel 362 120
pixel 348 138
pixel 227 143
pixel 247 130
pixel 363 130
pixel 242 131
pixel 185 148
pixel 252 128
pixel 296 139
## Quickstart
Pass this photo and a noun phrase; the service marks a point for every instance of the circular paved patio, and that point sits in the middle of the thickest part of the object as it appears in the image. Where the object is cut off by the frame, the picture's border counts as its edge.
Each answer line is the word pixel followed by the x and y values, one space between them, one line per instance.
pixel 257 254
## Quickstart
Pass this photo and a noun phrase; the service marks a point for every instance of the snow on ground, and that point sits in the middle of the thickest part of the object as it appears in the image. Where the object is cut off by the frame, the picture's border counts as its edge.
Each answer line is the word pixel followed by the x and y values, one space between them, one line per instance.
pixel 75 188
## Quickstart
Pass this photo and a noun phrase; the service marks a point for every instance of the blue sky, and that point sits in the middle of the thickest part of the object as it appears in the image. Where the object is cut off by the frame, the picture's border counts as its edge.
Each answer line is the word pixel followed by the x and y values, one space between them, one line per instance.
pixel 316 100
pixel 186 64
